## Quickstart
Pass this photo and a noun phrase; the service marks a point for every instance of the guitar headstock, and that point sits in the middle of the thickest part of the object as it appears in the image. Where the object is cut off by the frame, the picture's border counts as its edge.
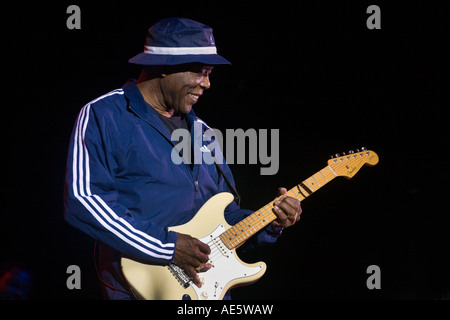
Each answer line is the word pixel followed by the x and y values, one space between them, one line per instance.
pixel 349 163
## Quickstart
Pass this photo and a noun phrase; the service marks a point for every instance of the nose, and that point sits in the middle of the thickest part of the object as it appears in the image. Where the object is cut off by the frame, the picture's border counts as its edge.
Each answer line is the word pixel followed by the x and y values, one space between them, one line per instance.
pixel 205 83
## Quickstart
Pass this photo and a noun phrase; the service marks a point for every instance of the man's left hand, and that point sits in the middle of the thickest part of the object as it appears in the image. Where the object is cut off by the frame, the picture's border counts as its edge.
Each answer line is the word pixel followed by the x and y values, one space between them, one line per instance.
pixel 287 209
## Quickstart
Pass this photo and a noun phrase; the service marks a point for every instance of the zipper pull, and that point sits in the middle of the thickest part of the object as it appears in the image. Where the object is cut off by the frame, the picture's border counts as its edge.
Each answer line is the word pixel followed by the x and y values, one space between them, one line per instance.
pixel 196 185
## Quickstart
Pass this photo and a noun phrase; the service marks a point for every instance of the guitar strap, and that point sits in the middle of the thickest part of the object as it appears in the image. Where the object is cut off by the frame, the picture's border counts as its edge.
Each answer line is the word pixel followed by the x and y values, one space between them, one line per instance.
pixel 237 198
pixel 233 190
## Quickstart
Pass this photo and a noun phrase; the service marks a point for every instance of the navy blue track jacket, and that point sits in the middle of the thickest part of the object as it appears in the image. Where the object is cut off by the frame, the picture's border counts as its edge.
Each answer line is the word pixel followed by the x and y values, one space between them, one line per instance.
pixel 122 187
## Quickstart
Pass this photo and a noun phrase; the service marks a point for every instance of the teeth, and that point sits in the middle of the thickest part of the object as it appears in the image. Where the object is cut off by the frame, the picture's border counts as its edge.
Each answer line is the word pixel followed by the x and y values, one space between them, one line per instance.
pixel 194 96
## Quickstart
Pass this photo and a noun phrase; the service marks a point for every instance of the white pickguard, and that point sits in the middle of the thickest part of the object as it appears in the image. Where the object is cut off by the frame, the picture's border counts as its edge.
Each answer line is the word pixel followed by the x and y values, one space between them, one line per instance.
pixel 227 268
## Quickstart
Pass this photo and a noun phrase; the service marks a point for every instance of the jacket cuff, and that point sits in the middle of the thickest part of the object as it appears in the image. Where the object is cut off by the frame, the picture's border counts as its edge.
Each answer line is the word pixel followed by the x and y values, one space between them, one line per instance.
pixel 275 232
pixel 172 236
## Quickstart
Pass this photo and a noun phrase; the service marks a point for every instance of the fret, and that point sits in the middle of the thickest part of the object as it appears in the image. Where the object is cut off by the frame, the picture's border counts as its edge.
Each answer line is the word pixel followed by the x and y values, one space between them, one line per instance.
pixel 323 175
pixel 244 229
pixel 332 171
pixel 292 193
pixel 238 233
pixel 301 192
pixel 249 223
pixel 254 222
pixel 228 239
pixel 310 184
pixel 321 180
pixel 307 187
pixel 270 216
pixel 257 215
pixel 316 181
pixel 232 237
pixel 261 215
pixel 258 221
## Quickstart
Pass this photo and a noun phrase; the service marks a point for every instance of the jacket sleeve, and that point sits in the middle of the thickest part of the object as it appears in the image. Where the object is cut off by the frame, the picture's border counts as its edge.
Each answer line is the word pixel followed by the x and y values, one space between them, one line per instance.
pixel 91 201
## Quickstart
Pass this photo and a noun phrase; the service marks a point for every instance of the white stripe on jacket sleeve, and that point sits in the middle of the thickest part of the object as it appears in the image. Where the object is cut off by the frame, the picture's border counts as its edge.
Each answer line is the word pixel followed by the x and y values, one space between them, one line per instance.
pixel 97 206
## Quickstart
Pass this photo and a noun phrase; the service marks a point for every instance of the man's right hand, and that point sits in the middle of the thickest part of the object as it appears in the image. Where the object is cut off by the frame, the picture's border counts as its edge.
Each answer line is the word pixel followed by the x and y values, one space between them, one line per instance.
pixel 192 256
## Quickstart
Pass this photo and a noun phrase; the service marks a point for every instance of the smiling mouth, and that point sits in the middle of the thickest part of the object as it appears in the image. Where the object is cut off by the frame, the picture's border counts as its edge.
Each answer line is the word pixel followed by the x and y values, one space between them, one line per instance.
pixel 194 96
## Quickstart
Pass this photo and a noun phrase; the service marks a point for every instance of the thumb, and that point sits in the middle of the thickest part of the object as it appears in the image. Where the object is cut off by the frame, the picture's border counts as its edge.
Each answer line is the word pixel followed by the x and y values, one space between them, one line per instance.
pixel 281 191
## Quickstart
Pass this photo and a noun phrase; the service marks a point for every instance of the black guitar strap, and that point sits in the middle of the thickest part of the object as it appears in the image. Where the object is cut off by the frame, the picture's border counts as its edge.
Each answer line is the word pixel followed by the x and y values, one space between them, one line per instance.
pixel 237 198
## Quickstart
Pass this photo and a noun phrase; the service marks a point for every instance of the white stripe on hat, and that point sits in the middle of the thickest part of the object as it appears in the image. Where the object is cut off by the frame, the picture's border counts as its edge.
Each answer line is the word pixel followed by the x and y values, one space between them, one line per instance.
pixel 175 51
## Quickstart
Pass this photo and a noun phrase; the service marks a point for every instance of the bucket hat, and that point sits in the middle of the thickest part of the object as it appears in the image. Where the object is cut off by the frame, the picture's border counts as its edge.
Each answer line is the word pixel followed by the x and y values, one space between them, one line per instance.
pixel 173 41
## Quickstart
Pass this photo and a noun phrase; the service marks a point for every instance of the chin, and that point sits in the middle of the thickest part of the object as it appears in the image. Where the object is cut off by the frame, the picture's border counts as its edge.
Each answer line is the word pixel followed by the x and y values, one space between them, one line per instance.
pixel 186 109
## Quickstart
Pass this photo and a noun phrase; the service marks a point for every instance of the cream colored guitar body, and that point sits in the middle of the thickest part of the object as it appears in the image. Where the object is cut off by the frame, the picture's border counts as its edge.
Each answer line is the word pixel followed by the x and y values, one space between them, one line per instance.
pixel 153 282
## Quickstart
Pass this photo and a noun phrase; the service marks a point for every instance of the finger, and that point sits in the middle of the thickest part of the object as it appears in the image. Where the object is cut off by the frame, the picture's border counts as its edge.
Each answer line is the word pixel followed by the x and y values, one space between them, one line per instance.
pixel 203 267
pixel 281 191
pixel 295 204
pixel 288 210
pixel 276 225
pixel 203 247
pixel 195 278
pixel 192 262
pixel 292 206
pixel 202 252
pixel 287 214
pixel 191 272
pixel 281 216
pixel 201 258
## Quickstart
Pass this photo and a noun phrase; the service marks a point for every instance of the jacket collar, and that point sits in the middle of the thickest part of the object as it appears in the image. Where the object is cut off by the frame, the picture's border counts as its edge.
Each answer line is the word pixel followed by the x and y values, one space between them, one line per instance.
pixel 137 105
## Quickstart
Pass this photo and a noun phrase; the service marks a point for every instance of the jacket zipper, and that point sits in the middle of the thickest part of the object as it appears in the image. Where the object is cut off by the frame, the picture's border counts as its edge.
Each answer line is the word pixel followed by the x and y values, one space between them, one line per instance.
pixel 196 185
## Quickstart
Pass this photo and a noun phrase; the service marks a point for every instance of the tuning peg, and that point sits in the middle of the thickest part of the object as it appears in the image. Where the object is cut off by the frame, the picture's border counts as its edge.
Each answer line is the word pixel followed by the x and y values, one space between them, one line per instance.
pixel 357 150
pixel 331 156
pixel 363 149
pixel 351 152
pixel 343 153
pixel 337 155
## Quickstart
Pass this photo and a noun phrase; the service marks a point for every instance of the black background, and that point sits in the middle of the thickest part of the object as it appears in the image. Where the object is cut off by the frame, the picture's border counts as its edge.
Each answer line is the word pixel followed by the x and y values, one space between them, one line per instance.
pixel 312 70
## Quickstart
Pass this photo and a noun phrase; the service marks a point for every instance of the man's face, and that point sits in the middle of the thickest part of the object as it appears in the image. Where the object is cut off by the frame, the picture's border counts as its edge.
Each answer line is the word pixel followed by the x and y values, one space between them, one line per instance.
pixel 182 86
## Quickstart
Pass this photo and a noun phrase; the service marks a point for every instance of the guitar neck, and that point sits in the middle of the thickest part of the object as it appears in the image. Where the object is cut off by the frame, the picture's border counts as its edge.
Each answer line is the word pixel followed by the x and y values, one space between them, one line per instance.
pixel 243 230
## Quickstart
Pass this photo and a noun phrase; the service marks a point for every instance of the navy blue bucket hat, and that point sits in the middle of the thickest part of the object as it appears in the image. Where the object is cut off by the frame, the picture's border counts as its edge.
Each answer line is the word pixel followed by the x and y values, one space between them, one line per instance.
pixel 173 41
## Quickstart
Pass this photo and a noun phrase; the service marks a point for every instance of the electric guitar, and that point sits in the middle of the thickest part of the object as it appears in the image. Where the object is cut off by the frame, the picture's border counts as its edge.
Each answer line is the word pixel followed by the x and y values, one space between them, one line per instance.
pixel 169 282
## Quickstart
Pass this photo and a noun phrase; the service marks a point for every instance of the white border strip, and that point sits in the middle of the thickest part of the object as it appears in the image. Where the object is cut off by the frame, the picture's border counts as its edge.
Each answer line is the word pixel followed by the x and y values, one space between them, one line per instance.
pixel 175 51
